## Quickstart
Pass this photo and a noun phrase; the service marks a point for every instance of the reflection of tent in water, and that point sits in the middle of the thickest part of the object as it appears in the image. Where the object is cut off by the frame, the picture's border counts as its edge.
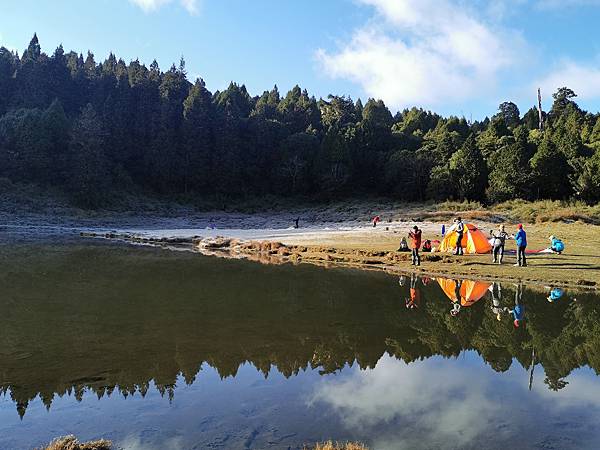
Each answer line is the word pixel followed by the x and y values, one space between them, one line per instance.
pixel 473 241
pixel 470 291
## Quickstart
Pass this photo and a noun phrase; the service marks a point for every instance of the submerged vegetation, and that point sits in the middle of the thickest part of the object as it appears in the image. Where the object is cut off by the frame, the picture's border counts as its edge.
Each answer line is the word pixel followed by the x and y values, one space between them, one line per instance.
pixel 71 443
pixel 329 445
pixel 94 131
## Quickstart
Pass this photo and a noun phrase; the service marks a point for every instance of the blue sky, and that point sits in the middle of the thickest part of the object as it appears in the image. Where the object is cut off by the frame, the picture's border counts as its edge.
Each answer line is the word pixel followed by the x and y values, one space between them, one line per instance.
pixel 453 56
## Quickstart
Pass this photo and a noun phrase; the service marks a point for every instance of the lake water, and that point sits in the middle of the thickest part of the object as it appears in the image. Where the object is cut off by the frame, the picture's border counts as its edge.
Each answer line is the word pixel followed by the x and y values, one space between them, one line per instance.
pixel 156 349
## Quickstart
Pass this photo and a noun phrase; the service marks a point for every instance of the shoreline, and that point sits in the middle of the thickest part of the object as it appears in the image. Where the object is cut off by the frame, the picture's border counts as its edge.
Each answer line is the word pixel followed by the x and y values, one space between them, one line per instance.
pixel 341 235
pixel 363 247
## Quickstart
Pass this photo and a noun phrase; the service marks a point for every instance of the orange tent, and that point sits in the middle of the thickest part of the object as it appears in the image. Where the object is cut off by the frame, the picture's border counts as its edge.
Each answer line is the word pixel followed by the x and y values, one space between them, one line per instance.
pixel 470 291
pixel 473 241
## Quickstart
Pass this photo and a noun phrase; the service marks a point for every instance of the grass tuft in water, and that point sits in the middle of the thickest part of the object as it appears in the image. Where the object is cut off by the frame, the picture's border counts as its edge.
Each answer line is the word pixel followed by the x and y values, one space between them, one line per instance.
pixel 71 443
pixel 330 445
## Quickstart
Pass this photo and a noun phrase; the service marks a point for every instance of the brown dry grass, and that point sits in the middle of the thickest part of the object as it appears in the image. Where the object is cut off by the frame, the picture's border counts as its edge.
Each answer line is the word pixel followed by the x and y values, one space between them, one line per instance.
pixel 329 445
pixel 71 443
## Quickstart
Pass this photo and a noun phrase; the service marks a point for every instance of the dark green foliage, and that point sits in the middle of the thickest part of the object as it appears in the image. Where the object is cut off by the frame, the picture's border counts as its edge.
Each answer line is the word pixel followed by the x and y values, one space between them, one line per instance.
pixel 509 113
pixel 550 171
pixel 90 178
pixel 588 181
pixel 96 129
pixel 469 171
pixel 510 176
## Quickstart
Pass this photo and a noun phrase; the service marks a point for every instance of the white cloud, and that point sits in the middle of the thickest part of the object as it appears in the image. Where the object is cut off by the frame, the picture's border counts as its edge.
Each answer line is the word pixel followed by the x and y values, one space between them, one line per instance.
pixel 424 52
pixel 191 6
pixel 583 79
pixel 455 404
pixel 451 413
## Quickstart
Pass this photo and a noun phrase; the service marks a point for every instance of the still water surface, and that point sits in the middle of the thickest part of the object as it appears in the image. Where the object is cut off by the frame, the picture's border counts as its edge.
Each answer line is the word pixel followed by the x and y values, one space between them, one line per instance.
pixel 156 349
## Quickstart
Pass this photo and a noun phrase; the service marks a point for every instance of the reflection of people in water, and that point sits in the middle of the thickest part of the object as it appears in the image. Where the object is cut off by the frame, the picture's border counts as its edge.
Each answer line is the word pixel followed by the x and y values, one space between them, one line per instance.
pixel 518 311
pixel 555 294
pixel 402 280
pixel 456 307
pixel 415 295
pixel 496 291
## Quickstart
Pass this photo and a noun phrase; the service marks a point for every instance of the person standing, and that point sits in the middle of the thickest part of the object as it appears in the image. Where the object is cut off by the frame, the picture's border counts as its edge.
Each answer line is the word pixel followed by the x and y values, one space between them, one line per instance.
pixel 460 232
pixel 415 245
pixel 521 239
pixel 498 244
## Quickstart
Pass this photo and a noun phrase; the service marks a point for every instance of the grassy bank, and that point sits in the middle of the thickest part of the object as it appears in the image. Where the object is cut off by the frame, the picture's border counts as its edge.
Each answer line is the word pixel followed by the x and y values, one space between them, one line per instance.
pixel 578 266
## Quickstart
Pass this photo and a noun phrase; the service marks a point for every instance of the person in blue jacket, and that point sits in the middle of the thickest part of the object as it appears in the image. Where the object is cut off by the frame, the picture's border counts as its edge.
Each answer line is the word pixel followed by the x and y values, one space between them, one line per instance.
pixel 556 245
pixel 521 239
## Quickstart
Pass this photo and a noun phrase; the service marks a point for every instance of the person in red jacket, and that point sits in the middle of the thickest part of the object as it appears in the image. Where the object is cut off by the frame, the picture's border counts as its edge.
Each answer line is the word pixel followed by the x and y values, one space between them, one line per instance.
pixel 415 245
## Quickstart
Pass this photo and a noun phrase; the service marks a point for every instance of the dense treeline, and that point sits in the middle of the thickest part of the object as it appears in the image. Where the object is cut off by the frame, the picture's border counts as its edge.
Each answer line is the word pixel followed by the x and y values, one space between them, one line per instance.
pixel 97 129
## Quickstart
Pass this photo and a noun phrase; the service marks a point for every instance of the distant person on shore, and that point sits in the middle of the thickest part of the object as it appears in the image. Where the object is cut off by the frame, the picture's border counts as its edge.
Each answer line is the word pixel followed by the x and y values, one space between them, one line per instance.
pixel 376 220
pixel 460 231
pixel 556 245
pixel 403 245
pixel 499 240
pixel 427 246
pixel 443 230
pixel 518 311
pixel 296 220
pixel 521 239
pixel 415 245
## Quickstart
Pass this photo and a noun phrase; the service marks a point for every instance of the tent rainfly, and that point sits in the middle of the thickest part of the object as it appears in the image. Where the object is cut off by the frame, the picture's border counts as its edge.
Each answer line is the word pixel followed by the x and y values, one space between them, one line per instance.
pixel 473 241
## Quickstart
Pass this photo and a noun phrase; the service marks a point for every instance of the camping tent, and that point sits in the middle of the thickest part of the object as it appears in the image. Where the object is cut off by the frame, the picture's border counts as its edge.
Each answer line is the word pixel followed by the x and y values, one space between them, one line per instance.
pixel 470 291
pixel 473 241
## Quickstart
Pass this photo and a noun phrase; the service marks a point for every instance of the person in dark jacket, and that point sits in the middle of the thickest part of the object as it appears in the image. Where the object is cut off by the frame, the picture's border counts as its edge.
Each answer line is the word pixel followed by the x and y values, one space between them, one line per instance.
pixel 460 231
pixel 521 239
pixel 403 245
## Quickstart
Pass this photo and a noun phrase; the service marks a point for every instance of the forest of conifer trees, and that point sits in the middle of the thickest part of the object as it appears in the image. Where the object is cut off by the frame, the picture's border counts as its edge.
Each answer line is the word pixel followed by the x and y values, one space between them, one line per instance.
pixel 94 130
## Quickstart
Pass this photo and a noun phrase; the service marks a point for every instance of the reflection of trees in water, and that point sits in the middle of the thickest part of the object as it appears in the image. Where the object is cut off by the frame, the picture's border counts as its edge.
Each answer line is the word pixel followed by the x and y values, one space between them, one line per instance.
pixel 119 325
